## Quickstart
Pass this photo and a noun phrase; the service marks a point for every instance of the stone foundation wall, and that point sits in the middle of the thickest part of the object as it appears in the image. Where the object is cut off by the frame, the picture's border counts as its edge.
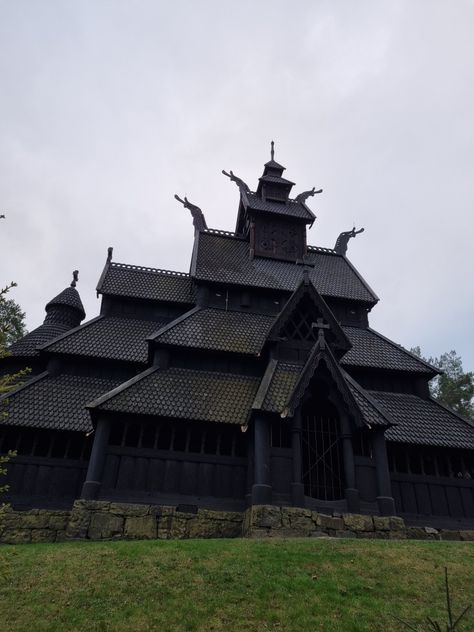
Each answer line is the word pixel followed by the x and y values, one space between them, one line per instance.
pixel 99 520
pixel 270 521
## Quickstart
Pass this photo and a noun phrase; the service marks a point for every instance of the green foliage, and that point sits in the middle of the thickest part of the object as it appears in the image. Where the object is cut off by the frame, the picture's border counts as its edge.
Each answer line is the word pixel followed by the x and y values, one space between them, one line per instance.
pixel 12 327
pixel 12 320
pixel 240 585
pixel 453 388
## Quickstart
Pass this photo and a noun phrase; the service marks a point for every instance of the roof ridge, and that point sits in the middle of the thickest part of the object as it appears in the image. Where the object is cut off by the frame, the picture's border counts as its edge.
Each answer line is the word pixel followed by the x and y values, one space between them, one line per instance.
pixel 128 266
pixel 328 251
pixel 222 233
pixel 173 323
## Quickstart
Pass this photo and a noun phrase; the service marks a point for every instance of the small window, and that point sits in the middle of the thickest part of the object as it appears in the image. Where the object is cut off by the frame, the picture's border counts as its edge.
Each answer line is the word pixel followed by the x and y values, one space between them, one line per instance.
pixel 164 437
pixel 443 465
pixel 400 460
pixel 27 442
pixel 76 446
pixel 60 445
pixel 116 433
pixel 195 440
pixel 210 442
pixel 43 443
pixel 414 460
pixel 148 436
pixel 225 446
pixel 429 465
pixel 240 443
pixel 132 435
pixel 180 437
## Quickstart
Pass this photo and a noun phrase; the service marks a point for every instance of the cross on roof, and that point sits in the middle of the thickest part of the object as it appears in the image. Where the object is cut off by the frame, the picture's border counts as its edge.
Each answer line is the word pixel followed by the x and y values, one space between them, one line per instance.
pixel 320 325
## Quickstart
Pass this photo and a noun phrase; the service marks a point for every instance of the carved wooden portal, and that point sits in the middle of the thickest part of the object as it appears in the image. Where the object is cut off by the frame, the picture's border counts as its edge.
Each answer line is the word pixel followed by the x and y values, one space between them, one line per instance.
pixel 323 469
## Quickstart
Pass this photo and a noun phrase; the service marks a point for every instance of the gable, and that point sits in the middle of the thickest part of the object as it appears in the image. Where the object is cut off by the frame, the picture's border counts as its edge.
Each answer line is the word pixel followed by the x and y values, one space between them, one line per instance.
pixel 303 316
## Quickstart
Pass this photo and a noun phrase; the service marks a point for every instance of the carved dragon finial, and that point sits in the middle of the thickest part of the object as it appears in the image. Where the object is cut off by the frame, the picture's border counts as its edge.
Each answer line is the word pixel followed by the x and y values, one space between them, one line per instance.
pixel 302 197
pixel 243 187
pixel 343 240
pixel 75 278
pixel 272 150
pixel 110 251
pixel 199 221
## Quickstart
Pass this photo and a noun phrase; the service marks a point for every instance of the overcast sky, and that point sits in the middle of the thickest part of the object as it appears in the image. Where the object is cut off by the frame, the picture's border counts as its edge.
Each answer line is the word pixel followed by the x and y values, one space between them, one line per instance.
pixel 108 109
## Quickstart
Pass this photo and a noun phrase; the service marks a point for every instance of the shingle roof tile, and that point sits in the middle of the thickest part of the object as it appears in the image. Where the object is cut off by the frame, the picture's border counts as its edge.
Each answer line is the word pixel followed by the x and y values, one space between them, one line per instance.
pixel 225 259
pixel 56 402
pixel 27 346
pixel 219 330
pixel 372 350
pixel 187 394
pixel 121 279
pixel 424 422
pixel 69 298
pixel 288 209
pixel 283 382
pixel 109 338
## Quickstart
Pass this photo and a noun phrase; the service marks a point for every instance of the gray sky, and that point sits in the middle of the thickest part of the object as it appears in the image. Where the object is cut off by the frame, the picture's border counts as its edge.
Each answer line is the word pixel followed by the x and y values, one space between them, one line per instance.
pixel 109 108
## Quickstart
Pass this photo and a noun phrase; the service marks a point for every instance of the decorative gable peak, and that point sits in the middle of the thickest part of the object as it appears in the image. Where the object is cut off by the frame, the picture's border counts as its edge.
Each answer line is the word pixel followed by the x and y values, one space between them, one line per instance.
pixel 306 319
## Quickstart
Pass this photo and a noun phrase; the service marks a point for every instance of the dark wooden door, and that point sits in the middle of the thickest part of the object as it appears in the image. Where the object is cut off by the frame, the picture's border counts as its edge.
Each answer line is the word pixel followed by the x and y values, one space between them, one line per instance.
pixel 323 473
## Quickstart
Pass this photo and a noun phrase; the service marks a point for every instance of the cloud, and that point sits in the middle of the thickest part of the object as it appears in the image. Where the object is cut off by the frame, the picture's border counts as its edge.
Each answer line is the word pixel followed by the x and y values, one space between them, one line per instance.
pixel 111 108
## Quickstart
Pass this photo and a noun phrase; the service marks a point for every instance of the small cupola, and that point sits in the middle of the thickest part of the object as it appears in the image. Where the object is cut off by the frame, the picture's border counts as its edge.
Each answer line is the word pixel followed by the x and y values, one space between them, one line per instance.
pixel 67 306
pixel 272 186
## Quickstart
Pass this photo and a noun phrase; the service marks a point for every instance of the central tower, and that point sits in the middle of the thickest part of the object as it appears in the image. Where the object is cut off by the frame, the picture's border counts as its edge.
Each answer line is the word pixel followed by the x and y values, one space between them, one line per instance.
pixel 274 223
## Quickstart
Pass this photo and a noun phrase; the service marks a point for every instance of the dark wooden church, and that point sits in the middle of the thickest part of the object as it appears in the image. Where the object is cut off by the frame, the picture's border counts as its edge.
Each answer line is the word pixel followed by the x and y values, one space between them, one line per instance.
pixel 253 379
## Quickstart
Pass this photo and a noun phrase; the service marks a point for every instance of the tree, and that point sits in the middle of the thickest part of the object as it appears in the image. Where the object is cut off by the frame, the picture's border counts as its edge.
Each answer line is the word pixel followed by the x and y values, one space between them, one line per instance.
pixel 453 388
pixel 12 320
pixel 12 327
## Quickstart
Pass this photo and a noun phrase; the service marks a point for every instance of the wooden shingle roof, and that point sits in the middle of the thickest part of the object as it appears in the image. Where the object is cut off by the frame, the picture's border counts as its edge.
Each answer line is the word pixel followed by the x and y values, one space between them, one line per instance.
pixel 225 259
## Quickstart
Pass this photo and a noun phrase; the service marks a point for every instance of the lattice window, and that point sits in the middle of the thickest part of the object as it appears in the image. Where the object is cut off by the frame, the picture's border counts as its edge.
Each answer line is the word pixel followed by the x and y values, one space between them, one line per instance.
pixel 300 324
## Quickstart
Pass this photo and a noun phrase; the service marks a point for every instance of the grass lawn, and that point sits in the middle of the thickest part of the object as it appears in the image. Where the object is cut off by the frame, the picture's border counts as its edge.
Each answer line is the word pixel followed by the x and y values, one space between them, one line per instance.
pixel 278 584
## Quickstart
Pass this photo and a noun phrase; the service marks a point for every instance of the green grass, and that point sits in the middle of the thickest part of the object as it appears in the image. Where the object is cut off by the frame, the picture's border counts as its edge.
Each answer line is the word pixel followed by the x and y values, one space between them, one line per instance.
pixel 304 584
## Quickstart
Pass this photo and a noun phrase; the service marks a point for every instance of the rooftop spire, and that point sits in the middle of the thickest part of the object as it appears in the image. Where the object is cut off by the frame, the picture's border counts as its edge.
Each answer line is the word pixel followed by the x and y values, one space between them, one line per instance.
pixel 272 150
pixel 75 278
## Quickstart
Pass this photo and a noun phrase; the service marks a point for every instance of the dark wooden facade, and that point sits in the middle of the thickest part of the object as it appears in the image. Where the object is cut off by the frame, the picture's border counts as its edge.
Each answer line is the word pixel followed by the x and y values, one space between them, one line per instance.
pixel 254 378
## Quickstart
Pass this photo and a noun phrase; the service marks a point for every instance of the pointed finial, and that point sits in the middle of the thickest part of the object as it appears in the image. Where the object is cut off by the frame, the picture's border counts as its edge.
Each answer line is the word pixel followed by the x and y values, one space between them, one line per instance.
pixel 110 251
pixel 75 278
pixel 272 150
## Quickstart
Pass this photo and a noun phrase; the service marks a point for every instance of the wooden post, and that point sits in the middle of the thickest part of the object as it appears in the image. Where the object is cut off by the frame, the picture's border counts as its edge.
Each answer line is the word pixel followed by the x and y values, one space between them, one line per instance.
pixel 93 482
pixel 351 492
pixel 297 487
pixel 385 499
pixel 261 488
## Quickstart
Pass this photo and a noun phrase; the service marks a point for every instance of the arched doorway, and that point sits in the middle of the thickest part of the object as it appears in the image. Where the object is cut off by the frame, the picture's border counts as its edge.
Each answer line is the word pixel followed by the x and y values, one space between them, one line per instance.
pixel 322 459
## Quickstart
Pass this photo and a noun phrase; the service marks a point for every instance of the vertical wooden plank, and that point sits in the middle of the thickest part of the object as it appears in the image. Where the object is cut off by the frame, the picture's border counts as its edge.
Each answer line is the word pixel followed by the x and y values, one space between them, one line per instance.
pixel 423 499
pixel 189 474
pixel 206 479
pixel 112 463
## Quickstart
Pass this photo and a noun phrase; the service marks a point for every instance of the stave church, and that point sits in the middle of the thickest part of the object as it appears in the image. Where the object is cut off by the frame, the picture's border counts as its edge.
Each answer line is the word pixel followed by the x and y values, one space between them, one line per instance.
pixel 254 378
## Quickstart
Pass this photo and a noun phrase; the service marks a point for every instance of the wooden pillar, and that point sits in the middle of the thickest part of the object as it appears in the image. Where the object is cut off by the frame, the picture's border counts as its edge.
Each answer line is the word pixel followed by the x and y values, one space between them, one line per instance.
pixel 297 487
pixel 93 482
pixel 261 488
pixel 385 499
pixel 351 492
